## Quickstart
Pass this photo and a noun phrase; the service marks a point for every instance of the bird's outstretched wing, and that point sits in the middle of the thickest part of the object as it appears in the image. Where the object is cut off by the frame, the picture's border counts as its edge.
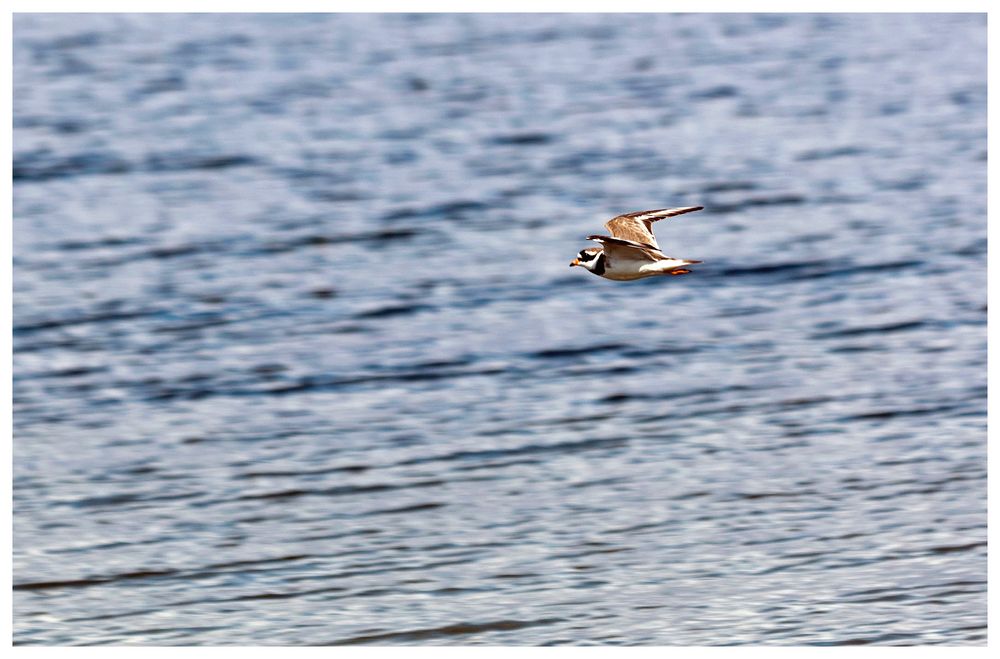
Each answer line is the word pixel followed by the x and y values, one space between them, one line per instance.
pixel 638 226
pixel 628 250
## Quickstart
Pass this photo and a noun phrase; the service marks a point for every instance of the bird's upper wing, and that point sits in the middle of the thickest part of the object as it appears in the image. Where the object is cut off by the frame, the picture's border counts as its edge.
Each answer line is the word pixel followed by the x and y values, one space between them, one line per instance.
pixel 628 250
pixel 638 226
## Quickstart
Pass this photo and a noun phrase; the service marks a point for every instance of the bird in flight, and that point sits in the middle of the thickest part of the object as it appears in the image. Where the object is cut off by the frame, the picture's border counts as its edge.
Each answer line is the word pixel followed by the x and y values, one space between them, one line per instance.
pixel 631 252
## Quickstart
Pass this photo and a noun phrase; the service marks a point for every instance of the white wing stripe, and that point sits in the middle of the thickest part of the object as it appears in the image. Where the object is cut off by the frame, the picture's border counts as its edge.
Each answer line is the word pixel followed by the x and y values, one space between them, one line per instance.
pixel 666 212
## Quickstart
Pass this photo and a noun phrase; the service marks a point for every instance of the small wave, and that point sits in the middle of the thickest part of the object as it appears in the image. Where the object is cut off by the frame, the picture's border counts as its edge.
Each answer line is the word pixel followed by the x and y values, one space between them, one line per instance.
pixel 42 165
pixel 904 326
pixel 460 629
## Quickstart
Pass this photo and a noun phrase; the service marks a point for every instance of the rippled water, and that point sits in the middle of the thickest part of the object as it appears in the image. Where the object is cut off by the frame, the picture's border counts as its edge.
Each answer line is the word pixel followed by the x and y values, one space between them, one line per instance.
pixel 299 360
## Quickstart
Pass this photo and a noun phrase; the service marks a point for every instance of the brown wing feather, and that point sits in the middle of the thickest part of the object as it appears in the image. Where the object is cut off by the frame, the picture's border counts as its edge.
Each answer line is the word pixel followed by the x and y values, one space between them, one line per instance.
pixel 628 249
pixel 638 226
pixel 629 229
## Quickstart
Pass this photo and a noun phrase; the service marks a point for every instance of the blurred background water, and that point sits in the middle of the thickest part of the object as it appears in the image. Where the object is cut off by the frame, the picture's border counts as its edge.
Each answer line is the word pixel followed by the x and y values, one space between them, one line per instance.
pixel 298 358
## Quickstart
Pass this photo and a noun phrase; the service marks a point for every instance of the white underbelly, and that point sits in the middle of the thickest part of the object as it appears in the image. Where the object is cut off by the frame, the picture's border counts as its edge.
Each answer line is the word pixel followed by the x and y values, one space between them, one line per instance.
pixel 628 270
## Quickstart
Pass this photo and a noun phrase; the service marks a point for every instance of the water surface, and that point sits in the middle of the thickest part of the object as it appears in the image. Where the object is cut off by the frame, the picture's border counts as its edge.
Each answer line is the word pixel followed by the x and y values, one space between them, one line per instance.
pixel 298 358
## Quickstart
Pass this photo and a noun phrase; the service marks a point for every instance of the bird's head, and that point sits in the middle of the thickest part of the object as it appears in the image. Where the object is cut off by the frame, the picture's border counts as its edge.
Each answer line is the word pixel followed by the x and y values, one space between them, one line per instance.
pixel 591 258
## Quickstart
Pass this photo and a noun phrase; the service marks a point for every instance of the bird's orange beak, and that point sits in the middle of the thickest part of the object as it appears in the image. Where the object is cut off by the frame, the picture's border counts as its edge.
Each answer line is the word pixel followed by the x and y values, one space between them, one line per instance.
pixel 574 262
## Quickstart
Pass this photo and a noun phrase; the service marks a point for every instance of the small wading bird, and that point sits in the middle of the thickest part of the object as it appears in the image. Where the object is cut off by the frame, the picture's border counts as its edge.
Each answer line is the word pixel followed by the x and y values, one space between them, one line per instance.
pixel 631 252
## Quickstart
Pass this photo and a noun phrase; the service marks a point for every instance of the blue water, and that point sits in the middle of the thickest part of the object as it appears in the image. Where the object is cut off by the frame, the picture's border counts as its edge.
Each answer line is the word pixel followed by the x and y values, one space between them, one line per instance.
pixel 298 358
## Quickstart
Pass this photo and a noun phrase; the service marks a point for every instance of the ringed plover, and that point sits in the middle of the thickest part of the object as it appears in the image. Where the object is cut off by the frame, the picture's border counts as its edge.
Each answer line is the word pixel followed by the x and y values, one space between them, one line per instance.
pixel 631 251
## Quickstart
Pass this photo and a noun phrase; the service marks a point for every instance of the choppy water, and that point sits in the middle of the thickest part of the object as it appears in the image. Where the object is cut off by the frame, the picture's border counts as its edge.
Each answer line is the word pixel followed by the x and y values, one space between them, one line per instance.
pixel 299 360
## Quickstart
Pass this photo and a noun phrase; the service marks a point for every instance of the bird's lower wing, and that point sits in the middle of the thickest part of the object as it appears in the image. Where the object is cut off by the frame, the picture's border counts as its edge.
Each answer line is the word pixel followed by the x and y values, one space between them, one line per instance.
pixel 628 249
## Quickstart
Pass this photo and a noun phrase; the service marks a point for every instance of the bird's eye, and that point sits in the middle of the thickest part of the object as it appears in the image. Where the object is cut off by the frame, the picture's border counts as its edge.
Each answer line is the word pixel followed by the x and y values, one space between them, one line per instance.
pixel 584 256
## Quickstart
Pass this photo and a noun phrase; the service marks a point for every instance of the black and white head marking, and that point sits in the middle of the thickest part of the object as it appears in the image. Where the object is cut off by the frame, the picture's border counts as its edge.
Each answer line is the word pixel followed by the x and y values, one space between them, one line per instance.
pixel 593 259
